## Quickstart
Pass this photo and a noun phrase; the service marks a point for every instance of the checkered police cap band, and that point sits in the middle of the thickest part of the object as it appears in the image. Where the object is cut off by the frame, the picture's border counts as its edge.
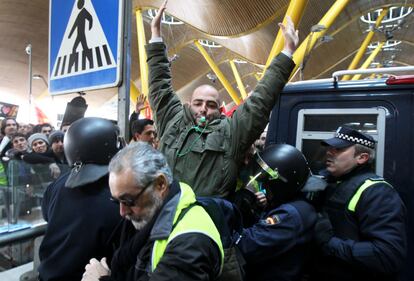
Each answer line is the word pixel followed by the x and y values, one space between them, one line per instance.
pixel 356 140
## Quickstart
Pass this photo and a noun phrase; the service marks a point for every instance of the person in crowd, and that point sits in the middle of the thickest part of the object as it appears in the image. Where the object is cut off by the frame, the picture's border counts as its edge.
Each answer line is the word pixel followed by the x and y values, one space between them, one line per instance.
pixel 46 129
pixel 361 233
pixel 57 148
pixel 166 236
pixel 143 130
pixel 20 146
pixel 204 148
pixel 64 127
pixel 260 142
pixel 38 143
pixel 19 178
pixel 81 219
pixel 26 129
pixel 276 247
pixel 47 169
pixel 139 106
pixel 9 126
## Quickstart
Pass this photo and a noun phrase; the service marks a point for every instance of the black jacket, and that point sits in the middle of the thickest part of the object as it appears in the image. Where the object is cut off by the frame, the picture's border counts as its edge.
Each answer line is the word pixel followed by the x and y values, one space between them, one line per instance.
pixel 191 256
pixel 81 223
pixel 278 249
pixel 369 243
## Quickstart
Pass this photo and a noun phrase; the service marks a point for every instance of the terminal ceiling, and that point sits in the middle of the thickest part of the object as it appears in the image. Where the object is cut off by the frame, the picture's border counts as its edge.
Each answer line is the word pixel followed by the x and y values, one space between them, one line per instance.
pixel 245 29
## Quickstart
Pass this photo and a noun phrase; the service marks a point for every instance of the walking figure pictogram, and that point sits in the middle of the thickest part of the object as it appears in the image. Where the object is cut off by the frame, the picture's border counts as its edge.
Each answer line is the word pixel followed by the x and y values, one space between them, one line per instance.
pixel 80 24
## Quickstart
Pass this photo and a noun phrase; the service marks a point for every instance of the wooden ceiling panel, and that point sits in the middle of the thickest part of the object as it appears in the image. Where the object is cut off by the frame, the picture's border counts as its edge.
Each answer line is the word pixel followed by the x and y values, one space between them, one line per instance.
pixel 221 17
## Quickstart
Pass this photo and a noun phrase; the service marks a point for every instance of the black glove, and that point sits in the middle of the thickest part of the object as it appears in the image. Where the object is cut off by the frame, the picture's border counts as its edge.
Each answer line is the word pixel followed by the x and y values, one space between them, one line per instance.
pixel 323 231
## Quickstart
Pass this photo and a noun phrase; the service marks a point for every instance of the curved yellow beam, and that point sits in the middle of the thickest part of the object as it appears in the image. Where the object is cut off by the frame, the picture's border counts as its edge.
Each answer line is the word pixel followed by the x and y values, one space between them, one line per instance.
pixel 143 66
pixel 295 11
pixel 238 79
pixel 369 60
pixel 347 57
pixel 354 63
pixel 218 72
pixel 310 41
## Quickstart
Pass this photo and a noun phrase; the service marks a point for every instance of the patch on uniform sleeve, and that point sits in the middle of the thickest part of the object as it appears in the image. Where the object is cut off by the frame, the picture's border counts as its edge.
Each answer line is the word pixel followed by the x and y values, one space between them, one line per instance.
pixel 275 219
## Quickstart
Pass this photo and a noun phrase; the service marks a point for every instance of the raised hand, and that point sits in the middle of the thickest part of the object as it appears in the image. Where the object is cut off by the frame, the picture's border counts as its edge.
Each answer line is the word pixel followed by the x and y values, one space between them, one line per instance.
pixel 290 34
pixel 140 104
pixel 156 21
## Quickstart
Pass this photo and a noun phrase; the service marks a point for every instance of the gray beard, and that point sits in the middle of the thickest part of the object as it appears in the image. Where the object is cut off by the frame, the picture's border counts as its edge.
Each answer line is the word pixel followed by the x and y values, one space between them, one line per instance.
pixel 143 221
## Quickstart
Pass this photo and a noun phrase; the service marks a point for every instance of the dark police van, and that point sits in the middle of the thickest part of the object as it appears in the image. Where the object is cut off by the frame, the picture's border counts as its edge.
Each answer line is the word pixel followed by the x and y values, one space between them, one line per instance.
pixel 310 111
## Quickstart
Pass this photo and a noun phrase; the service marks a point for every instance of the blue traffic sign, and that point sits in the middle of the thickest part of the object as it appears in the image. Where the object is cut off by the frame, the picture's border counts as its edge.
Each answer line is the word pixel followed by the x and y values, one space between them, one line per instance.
pixel 85 45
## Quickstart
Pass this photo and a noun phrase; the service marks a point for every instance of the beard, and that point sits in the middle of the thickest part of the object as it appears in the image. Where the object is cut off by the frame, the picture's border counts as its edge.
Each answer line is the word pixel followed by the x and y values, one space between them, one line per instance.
pixel 140 221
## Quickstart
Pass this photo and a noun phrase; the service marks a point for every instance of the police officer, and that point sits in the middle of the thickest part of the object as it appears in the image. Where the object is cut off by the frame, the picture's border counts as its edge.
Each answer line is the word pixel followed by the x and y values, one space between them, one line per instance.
pixel 275 248
pixel 81 218
pixel 361 235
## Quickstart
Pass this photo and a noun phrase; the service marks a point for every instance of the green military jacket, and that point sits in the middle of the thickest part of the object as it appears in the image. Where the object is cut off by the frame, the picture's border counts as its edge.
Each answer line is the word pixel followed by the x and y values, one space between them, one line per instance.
pixel 208 160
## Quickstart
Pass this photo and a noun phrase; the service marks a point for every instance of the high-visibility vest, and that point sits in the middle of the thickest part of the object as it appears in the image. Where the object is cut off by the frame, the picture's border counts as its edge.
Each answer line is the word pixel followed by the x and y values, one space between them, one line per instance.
pixel 196 220
pixel 3 175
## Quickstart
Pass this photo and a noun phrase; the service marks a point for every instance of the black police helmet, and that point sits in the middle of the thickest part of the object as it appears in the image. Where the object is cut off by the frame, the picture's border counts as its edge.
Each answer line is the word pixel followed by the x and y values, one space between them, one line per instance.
pixel 91 140
pixel 284 169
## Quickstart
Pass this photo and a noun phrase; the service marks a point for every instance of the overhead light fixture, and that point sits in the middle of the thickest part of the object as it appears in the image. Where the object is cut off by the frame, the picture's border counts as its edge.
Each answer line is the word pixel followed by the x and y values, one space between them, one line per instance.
pixel 40 77
pixel 325 38
pixel 173 58
pixel 317 28
pixel 239 61
pixel 208 43
pixel 395 13
pixel 387 46
pixel 29 49
pixel 212 77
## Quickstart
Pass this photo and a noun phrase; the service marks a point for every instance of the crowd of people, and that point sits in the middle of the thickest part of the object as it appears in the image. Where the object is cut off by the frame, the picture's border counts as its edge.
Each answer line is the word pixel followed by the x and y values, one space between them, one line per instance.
pixel 30 158
pixel 155 228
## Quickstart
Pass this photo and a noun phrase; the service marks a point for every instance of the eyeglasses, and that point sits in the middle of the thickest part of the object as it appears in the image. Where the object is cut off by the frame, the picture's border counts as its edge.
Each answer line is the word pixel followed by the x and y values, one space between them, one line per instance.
pixel 130 202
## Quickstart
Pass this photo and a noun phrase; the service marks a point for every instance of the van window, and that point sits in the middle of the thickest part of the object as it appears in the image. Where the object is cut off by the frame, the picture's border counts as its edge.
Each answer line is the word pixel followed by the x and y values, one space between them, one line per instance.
pixel 315 125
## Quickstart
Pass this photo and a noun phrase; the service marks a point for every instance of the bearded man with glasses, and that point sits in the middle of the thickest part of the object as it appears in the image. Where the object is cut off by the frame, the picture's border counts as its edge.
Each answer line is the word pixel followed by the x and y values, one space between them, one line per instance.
pixel 166 236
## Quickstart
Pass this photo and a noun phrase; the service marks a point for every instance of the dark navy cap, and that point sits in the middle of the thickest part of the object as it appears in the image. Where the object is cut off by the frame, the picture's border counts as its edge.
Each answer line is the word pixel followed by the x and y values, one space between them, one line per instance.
pixel 56 135
pixel 345 136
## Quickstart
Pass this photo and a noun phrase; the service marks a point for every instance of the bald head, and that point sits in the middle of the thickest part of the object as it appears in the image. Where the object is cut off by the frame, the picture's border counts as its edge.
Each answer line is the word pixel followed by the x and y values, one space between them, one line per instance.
pixel 205 102
pixel 206 91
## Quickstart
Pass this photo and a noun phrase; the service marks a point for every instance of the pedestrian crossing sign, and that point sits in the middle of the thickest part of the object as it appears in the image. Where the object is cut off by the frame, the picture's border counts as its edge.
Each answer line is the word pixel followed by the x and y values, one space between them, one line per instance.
pixel 85 45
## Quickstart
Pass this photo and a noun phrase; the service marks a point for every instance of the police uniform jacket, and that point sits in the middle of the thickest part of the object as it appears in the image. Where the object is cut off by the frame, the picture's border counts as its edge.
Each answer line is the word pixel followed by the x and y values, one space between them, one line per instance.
pixel 369 240
pixel 207 158
pixel 81 223
pixel 276 247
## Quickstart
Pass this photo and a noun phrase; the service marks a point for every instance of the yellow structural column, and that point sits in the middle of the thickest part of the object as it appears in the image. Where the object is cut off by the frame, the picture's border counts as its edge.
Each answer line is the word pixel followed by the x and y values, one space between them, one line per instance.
pixel 369 59
pixel 238 79
pixel 143 66
pixel 218 72
pixel 295 11
pixel 326 21
pixel 364 45
pixel 133 92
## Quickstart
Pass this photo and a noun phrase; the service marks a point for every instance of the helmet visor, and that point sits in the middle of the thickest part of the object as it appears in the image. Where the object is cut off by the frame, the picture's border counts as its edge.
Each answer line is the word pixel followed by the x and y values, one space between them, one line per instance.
pixel 263 176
